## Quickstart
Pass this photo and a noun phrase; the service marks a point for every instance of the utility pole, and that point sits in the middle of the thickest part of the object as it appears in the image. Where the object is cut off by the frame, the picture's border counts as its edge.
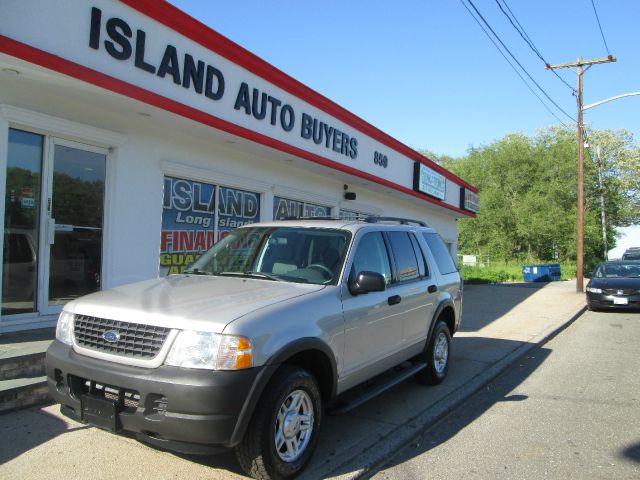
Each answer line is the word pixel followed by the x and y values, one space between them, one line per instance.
pixel 580 254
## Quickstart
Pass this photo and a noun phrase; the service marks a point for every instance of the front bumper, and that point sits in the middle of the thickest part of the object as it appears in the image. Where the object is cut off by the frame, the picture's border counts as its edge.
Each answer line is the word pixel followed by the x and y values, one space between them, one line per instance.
pixel 601 300
pixel 179 409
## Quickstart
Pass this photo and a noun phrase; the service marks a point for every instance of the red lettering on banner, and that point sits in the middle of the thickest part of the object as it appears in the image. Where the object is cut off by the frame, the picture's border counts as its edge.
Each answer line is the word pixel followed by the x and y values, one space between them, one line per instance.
pixel 183 241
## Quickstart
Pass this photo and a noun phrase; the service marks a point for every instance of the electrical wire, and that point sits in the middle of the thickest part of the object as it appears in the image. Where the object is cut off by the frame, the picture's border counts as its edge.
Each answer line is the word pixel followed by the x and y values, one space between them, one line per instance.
pixel 514 58
pixel 513 66
pixel 600 27
pixel 520 29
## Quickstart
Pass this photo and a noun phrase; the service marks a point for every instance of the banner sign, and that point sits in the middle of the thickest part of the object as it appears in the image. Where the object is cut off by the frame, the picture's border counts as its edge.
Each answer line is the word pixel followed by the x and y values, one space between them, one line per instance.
pixel 469 200
pixel 236 208
pixel 188 219
pixel 195 215
pixel 428 181
pixel 286 207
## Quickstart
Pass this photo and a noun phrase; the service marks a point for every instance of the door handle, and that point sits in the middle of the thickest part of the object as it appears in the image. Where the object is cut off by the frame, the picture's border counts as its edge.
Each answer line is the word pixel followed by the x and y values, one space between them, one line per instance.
pixel 394 299
pixel 432 289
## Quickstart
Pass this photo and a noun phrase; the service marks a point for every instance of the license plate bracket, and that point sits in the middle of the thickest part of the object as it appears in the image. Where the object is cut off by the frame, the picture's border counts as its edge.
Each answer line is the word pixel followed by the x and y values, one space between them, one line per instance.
pixel 100 412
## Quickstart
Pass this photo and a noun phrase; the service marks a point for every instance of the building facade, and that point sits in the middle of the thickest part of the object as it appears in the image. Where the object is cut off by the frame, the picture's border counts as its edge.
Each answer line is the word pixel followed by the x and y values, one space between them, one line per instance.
pixel 133 137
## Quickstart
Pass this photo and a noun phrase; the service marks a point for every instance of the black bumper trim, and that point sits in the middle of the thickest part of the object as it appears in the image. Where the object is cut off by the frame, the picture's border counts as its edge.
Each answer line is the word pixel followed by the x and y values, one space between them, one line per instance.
pixel 202 411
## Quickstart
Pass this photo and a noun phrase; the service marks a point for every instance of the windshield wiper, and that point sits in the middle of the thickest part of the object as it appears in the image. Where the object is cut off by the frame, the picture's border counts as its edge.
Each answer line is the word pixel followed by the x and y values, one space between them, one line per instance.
pixel 251 273
pixel 196 271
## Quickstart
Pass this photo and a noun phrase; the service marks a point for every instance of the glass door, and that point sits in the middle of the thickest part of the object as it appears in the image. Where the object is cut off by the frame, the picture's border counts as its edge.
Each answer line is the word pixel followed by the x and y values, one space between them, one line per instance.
pixel 21 222
pixel 74 214
pixel 54 210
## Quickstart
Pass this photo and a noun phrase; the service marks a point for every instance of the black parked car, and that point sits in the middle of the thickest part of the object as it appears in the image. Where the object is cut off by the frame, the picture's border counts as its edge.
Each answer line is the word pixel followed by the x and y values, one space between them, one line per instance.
pixel 615 285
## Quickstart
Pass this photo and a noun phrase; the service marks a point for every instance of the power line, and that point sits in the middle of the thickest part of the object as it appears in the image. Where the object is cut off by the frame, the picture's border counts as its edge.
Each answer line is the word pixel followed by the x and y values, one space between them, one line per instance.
pixel 512 66
pixel 516 60
pixel 520 29
pixel 600 27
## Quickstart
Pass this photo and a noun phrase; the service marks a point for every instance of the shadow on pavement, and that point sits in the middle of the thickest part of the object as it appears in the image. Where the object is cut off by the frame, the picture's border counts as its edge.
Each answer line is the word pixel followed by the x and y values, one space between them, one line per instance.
pixel 23 430
pixel 490 302
pixel 458 419
pixel 632 452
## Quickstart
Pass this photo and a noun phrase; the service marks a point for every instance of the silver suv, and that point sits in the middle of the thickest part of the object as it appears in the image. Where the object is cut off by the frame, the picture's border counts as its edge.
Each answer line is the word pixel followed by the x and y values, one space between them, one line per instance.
pixel 260 337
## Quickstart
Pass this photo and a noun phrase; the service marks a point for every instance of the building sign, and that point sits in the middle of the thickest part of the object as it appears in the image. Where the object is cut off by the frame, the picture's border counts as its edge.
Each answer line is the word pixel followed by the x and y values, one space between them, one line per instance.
pixel 288 208
pixel 469 200
pixel 426 180
pixel 116 37
pixel 195 215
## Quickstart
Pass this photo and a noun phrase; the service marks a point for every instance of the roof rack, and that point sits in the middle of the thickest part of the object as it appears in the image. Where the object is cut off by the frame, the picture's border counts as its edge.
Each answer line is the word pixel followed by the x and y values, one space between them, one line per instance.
pixel 402 221
pixel 308 218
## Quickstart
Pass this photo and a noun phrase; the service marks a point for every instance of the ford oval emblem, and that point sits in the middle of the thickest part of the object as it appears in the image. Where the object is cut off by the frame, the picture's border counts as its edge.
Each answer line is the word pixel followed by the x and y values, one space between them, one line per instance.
pixel 111 336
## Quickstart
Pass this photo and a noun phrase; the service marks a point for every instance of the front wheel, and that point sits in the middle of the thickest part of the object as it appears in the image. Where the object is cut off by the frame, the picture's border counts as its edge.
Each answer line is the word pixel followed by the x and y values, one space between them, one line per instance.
pixel 283 432
pixel 437 355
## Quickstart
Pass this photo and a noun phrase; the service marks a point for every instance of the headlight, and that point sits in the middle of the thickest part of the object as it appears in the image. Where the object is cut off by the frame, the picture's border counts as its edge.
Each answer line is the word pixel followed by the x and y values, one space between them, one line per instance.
pixel 64 327
pixel 209 351
pixel 594 290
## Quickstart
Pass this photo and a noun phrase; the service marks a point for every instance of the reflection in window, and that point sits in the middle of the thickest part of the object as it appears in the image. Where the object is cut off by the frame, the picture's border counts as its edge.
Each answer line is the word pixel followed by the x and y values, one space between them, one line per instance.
pixel 372 256
pixel 22 204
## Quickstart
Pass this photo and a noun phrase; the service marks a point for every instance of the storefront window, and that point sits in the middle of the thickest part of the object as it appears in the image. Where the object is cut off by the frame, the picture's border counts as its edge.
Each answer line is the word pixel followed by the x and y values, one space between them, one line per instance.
pixel 196 215
pixel 289 208
pixel 236 208
pixel 352 214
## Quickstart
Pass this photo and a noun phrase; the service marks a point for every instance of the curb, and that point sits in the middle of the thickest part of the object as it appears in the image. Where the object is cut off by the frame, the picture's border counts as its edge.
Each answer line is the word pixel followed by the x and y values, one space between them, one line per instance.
pixel 395 440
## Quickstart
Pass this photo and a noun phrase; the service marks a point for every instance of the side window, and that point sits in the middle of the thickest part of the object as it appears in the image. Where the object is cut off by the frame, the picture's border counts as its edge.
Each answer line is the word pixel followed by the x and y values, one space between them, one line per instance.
pixel 405 257
pixel 440 253
pixel 372 256
pixel 423 270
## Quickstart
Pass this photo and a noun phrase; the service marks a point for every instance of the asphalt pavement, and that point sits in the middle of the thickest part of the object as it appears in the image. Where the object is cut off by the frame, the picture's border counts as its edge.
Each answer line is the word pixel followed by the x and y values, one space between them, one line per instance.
pixel 501 323
pixel 568 410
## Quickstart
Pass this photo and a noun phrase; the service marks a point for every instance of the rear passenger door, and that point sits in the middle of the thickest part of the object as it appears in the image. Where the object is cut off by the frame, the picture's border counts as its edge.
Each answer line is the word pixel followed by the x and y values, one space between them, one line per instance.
pixel 414 285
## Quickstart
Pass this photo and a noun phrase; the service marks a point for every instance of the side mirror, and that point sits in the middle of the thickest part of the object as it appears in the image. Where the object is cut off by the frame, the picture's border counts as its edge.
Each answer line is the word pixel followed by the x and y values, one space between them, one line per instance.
pixel 366 282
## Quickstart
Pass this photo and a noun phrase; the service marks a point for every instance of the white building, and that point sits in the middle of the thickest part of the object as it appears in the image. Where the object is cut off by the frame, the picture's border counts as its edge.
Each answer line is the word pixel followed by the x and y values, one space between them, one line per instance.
pixel 132 137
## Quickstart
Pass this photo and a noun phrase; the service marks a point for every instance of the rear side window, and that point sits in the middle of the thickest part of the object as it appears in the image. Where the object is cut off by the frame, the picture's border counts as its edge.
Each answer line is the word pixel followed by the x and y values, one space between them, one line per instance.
pixel 440 252
pixel 406 261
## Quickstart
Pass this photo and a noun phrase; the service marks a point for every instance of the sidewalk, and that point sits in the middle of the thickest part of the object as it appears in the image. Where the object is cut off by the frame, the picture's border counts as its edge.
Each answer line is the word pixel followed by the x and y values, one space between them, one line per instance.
pixel 500 324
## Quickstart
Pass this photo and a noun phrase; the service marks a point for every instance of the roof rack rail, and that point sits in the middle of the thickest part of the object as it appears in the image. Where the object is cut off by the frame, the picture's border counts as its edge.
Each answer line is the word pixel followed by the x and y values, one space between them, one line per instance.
pixel 292 217
pixel 402 221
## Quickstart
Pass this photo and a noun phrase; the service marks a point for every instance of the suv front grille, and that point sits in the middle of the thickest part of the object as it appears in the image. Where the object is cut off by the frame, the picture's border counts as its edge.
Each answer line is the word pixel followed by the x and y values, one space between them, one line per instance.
pixel 133 340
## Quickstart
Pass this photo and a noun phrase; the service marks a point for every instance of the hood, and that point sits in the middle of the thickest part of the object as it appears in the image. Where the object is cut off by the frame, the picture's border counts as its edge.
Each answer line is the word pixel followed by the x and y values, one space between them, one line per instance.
pixel 192 302
pixel 621 283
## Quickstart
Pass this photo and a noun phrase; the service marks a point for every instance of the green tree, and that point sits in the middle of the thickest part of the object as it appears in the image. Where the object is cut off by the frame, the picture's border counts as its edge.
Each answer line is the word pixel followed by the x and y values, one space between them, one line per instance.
pixel 528 194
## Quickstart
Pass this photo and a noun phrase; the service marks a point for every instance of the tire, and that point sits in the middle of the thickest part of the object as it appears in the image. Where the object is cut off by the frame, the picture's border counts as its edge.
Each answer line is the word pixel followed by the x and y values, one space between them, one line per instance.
pixel 437 355
pixel 282 435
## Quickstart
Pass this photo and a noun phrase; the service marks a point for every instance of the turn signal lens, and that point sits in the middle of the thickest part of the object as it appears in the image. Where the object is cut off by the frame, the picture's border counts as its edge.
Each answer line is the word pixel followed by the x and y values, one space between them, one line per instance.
pixel 234 353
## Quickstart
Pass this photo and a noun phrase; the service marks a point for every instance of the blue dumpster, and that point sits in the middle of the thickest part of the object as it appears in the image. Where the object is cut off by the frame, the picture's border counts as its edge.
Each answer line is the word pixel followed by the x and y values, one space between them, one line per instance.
pixel 541 273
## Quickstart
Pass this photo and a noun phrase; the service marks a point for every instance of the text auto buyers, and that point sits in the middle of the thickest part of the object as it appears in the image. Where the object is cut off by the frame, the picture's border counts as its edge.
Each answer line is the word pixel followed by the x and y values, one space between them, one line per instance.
pixel 121 43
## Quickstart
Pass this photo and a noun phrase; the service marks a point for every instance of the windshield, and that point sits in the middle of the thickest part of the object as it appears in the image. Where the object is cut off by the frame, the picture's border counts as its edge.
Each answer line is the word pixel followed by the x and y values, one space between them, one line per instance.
pixel 618 270
pixel 303 255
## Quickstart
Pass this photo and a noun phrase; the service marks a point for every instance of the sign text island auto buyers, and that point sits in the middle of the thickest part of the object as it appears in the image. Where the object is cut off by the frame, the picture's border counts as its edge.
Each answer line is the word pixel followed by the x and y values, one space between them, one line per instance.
pixel 120 41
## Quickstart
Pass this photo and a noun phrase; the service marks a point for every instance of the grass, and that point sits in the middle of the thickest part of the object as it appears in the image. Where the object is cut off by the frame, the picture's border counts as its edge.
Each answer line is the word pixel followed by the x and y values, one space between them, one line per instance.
pixel 507 272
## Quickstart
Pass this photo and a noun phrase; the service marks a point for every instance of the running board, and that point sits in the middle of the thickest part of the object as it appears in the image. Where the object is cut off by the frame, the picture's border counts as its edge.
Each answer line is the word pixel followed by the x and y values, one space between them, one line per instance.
pixel 401 376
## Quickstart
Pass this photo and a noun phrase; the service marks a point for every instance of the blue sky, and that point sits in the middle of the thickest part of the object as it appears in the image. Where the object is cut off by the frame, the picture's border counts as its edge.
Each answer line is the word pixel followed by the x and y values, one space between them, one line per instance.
pixel 426 74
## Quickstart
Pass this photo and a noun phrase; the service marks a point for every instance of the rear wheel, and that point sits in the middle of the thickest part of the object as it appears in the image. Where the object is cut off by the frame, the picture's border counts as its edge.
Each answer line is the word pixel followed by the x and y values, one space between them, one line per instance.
pixel 437 355
pixel 284 430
